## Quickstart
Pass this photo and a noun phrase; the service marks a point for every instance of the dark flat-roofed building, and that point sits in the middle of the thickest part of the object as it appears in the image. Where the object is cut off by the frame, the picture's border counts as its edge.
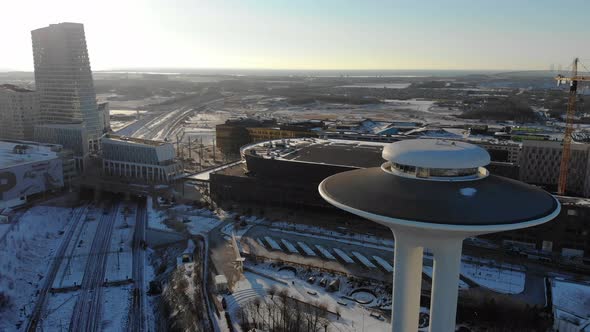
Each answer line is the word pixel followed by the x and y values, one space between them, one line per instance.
pixel 287 172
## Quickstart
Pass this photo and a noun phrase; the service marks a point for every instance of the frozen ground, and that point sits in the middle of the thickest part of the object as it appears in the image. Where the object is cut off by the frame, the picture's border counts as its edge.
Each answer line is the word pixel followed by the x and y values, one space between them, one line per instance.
pixel 571 297
pixel 502 278
pixel 116 305
pixel 130 104
pixel 197 221
pixel 25 256
pixel 58 311
pixel 71 271
pixel 120 258
pixel 507 279
pixel 378 86
pixel 354 316
pixel 156 217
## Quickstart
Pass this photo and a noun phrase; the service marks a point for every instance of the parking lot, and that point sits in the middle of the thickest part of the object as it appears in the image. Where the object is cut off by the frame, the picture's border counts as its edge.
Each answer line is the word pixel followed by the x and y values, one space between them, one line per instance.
pixel 346 256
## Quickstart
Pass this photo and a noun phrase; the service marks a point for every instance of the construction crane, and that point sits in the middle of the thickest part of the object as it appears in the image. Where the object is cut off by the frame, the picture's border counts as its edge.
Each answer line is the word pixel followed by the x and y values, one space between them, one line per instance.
pixel 569 122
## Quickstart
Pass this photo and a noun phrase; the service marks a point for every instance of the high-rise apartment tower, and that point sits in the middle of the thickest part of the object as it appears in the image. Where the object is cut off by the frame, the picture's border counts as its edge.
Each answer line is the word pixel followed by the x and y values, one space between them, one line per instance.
pixel 63 78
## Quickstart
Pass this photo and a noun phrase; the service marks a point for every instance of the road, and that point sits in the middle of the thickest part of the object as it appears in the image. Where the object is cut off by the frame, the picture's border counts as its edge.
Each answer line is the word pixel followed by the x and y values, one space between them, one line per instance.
pixel 87 311
pixel 36 315
pixel 137 321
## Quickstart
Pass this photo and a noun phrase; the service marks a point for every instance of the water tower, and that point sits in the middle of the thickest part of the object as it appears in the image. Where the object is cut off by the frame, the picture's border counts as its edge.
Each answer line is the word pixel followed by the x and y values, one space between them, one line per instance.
pixel 433 194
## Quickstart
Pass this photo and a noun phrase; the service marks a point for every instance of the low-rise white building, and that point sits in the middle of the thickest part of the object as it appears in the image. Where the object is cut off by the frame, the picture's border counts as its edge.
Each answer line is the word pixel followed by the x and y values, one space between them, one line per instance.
pixel 146 160
pixel 28 169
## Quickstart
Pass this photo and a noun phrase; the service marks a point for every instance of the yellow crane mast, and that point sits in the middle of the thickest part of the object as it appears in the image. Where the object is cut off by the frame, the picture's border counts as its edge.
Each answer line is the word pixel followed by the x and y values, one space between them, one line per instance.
pixel 569 123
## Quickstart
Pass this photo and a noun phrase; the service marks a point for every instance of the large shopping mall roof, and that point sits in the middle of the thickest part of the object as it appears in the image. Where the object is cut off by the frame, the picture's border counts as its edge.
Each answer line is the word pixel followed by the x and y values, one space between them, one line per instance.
pixel 14 153
pixel 321 151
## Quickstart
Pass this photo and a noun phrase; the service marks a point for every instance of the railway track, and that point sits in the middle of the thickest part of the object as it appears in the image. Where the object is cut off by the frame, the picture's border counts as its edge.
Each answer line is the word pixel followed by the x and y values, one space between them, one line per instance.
pixel 87 313
pixel 36 315
pixel 163 125
pixel 137 319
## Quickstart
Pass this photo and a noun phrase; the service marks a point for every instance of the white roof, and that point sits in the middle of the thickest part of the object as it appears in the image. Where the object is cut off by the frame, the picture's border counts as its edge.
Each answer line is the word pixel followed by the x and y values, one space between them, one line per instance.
pixel 572 297
pixel 436 153
pixel 34 153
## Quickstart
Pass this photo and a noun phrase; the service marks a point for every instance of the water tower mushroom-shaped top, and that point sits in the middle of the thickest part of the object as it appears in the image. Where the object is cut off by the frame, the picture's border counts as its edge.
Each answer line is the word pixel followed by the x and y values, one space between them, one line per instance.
pixel 433 194
pixel 439 185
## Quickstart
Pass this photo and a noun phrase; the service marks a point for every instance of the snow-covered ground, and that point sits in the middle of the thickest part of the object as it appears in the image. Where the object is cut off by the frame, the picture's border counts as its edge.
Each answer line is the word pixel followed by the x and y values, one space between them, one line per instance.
pixel 156 217
pixel 571 297
pixel 201 225
pixel 116 306
pixel 197 221
pixel 120 258
pixel 71 271
pixel 354 316
pixel 501 280
pixel 25 256
pixel 59 311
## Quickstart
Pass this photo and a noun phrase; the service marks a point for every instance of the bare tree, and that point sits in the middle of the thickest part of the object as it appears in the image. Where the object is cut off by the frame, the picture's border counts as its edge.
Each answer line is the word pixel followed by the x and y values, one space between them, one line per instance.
pixel 272 291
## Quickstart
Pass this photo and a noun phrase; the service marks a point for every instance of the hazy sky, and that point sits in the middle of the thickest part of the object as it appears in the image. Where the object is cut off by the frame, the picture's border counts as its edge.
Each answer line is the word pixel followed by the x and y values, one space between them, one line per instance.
pixel 308 34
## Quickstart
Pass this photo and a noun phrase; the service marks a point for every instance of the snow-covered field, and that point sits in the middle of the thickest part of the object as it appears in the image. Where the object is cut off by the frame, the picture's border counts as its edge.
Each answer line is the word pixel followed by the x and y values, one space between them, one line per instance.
pixel 71 271
pixel 354 316
pixel 25 256
pixel 59 311
pixel 156 217
pixel 120 257
pixel 116 306
pixel 571 297
pixel 501 280
pixel 197 221
pixel 201 225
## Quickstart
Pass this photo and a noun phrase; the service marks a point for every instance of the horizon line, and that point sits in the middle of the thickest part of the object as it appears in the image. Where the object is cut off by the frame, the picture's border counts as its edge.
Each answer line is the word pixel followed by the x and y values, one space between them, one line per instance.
pixel 9 70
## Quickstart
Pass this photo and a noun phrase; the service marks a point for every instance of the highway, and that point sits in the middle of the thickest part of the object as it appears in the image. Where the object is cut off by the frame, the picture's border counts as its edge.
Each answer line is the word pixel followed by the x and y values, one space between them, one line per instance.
pixel 39 308
pixel 87 311
pixel 137 320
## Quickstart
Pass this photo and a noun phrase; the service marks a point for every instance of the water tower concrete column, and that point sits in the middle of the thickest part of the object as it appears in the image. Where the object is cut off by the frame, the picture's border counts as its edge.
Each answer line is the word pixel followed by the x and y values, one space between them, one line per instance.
pixel 445 284
pixel 407 282
pixel 407 278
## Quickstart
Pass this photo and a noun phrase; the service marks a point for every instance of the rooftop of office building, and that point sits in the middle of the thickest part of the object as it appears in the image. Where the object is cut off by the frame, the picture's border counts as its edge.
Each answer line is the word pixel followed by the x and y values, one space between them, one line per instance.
pixel 14 153
pixel 133 140
pixel 320 151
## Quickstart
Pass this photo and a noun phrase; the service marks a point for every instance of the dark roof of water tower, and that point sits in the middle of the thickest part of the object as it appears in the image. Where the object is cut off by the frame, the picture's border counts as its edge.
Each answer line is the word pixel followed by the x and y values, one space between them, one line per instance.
pixel 492 200
pixel 472 199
